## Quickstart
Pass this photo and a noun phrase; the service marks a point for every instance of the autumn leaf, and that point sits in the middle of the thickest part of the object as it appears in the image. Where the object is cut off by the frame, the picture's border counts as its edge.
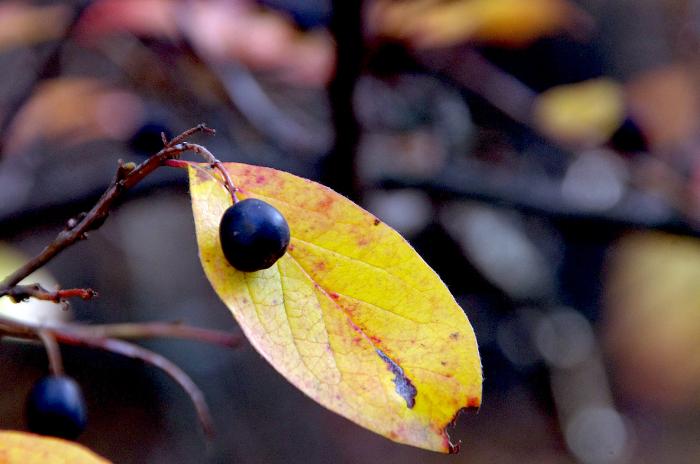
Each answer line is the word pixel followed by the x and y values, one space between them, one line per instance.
pixel 652 318
pixel 27 448
pixel 351 315
pixel 22 24
pixel 585 113
pixel 431 23
pixel 74 110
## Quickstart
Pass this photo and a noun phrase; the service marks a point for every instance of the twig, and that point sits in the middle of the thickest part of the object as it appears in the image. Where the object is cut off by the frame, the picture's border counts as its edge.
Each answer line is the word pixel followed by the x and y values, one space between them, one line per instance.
pixel 22 292
pixel 52 350
pixel 157 330
pixel 188 133
pixel 136 352
pixel 77 229
pixel 503 91
pixel 216 164
pixel 104 337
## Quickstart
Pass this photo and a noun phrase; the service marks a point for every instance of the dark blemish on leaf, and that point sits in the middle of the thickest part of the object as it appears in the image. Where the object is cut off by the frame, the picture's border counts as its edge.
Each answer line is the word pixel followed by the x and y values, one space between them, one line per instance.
pixel 404 386
pixel 334 295
pixel 363 241
pixel 444 363
pixel 474 402
pixel 320 266
pixel 375 340
pixel 454 336
pixel 290 247
pixel 377 222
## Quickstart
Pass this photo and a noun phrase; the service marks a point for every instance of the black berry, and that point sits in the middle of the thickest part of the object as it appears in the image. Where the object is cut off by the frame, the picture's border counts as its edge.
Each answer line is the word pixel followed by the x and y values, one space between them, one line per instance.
pixel 254 235
pixel 147 141
pixel 55 406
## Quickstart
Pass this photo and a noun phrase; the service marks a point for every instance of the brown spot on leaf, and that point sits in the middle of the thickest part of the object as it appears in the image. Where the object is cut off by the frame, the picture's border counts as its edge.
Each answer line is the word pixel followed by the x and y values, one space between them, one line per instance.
pixel 325 203
pixel 334 295
pixel 377 222
pixel 454 335
pixel 444 363
pixel 260 180
pixel 202 175
pixel 320 266
pixel 404 386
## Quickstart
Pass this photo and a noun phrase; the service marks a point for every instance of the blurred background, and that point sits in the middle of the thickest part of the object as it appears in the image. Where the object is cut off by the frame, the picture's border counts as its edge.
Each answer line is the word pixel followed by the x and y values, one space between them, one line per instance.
pixel 542 155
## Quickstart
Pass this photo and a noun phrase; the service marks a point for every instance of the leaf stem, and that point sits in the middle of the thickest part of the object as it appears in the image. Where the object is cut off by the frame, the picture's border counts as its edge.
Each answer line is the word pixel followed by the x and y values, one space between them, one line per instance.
pixel 52 350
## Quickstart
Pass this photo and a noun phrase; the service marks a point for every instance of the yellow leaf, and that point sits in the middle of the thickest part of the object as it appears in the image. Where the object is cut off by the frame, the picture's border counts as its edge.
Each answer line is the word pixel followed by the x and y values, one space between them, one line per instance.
pixel 26 448
pixel 586 113
pixel 427 23
pixel 351 315
pixel 653 318
pixel 26 25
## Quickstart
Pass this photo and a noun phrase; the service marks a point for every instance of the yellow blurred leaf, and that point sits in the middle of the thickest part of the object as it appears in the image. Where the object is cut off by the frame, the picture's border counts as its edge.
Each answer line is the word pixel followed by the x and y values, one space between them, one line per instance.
pixel 585 113
pixel 428 23
pixel 351 315
pixel 26 448
pixel 653 317
pixel 26 25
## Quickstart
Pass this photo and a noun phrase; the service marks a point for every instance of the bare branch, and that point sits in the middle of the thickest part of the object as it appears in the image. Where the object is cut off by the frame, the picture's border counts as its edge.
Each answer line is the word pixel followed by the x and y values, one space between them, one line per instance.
pixel 23 292
pixel 136 352
pixel 158 330
pixel 216 164
pixel 189 133
pixel 126 177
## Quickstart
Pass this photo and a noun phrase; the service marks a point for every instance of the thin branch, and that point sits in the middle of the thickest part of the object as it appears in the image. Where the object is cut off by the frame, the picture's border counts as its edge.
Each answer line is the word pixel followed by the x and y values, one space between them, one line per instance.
pixel 127 176
pixel 52 350
pixel 187 134
pixel 158 330
pixel 216 164
pixel 503 91
pixel 104 337
pixel 132 351
pixel 23 292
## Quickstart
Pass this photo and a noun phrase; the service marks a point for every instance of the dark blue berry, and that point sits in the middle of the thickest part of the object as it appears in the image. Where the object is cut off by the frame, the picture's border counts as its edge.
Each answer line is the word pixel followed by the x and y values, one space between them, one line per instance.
pixel 55 406
pixel 147 141
pixel 254 235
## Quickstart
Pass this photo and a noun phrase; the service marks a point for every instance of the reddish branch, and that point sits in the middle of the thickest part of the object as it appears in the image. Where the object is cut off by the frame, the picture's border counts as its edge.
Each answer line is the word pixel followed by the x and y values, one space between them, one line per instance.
pixel 23 292
pixel 127 176
pixel 106 337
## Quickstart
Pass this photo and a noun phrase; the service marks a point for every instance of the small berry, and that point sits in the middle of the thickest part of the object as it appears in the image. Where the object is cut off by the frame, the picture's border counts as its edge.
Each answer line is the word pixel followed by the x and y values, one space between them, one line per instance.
pixel 55 406
pixel 147 141
pixel 254 235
